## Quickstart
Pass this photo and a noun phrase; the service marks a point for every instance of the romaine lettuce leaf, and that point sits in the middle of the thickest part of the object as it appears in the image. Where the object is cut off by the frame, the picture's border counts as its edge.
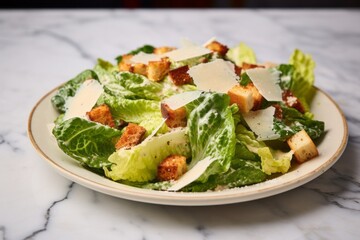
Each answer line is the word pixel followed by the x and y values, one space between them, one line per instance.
pixel 146 113
pixel 293 121
pixel 212 133
pixel 69 89
pixel 139 164
pixel 303 77
pixel 105 71
pixel 272 161
pixel 241 53
pixel 88 142
pixel 142 87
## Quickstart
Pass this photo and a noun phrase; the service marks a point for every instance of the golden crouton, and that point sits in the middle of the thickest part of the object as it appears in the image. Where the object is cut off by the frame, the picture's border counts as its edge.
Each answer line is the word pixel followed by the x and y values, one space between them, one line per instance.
pixel 179 76
pixel 132 136
pixel 174 118
pixel 125 63
pixel 217 47
pixel 139 68
pixel 101 114
pixel 171 168
pixel 246 97
pixel 303 146
pixel 158 69
pixel 246 66
pixel 162 50
pixel 258 98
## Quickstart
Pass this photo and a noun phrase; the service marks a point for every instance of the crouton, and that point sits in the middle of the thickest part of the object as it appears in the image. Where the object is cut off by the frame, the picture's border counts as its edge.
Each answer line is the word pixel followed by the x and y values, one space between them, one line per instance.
pixel 158 69
pixel 162 50
pixel 171 168
pixel 139 68
pixel 246 97
pixel 125 63
pixel 179 76
pixel 258 98
pixel 292 101
pixel 238 70
pixel 303 146
pixel 217 47
pixel 132 136
pixel 174 118
pixel 246 66
pixel 101 114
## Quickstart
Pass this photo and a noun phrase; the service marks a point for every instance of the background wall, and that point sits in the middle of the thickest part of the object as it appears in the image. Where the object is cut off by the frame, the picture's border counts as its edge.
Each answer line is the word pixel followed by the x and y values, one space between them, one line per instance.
pixel 179 4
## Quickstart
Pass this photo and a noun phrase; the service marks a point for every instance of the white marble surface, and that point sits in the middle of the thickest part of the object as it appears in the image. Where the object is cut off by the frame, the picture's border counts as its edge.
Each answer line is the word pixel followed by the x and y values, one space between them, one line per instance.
pixel 41 49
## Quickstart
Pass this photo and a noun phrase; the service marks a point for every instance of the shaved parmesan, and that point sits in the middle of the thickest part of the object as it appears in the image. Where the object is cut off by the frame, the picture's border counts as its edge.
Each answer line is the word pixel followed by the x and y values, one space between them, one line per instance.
pixel 83 101
pixel 266 81
pixel 184 53
pixel 218 75
pixel 145 58
pixel 191 175
pixel 261 122
pixel 181 99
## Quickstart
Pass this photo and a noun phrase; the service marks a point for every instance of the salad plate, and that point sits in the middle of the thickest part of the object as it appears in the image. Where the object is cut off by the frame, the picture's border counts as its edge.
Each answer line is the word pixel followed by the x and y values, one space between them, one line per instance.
pixel 331 145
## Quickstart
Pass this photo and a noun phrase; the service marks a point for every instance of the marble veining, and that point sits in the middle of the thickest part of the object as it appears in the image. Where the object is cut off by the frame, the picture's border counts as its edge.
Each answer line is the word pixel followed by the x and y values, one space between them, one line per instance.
pixel 40 49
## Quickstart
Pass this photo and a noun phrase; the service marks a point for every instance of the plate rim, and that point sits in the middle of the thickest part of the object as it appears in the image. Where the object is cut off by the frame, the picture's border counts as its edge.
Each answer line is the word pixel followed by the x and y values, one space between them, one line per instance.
pixel 187 199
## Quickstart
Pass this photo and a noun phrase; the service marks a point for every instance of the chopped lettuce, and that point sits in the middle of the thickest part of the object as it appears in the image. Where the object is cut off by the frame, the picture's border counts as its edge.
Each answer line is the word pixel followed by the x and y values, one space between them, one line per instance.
pixel 293 121
pixel 240 54
pixel 142 87
pixel 88 142
pixel 212 133
pixel 139 164
pixel 272 161
pixel 302 77
pixel 144 112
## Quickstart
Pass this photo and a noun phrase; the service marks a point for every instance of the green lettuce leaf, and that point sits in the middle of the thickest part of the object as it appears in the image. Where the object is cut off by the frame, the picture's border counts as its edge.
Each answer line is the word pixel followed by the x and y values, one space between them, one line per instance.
pixel 139 164
pixel 241 53
pixel 146 113
pixel 88 142
pixel 294 121
pixel 272 161
pixel 69 89
pixel 303 77
pixel 212 133
pixel 142 87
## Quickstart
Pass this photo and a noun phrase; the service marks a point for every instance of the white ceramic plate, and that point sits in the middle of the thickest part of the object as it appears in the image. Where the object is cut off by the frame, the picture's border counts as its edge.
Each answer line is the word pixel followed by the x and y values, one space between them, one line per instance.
pixel 331 146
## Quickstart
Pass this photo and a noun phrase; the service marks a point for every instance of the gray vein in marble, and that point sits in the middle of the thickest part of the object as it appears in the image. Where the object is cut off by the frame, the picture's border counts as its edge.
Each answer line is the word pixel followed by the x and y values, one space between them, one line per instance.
pixel 335 197
pixel 3 232
pixel 48 214
pixel 203 231
pixel 5 142
pixel 68 41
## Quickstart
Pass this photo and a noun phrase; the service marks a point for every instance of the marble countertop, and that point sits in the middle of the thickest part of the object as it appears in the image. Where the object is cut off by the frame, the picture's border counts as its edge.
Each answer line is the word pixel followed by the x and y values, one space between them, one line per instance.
pixel 41 49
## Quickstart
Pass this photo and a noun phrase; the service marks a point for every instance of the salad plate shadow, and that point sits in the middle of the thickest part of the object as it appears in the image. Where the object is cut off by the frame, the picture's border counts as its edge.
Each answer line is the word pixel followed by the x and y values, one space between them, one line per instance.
pixel 330 148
